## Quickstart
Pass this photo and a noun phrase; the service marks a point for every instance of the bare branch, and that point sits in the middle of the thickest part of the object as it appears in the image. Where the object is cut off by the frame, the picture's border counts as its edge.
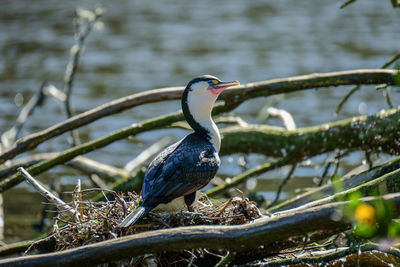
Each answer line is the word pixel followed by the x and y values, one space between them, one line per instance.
pixel 348 2
pixel 282 184
pixel 285 116
pixel 8 138
pixel 391 60
pixel 84 21
pixel 61 205
pixel 147 154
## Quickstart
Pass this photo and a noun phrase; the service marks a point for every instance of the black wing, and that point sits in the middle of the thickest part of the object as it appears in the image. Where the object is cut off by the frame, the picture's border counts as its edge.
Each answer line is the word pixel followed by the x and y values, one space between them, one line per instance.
pixel 186 168
pixel 156 166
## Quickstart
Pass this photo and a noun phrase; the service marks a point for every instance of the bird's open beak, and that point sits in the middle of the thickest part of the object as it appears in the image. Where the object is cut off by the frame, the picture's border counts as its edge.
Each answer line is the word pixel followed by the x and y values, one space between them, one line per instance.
pixel 221 86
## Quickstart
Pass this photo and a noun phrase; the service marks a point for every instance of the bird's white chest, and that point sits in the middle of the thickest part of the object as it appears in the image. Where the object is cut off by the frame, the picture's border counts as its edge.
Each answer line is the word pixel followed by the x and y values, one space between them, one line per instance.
pixel 178 204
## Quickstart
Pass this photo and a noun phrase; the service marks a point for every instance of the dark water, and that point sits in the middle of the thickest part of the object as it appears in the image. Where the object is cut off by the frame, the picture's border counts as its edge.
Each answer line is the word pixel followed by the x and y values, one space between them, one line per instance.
pixel 149 44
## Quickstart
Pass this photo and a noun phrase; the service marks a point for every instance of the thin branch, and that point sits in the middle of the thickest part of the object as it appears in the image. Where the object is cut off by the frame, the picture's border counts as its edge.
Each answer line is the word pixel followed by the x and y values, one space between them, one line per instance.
pixel 231 120
pixel 285 116
pixel 388 97
pixel 346 97
pixel 356 88
pixel 84 21
pixel 147 154
pixel 233 97
pixel 348 2
pixel 347 183
pixel 61 205
pixel 391 61
pixel 283 183
pixel 226 260
pixel 335 161
pixel 8 138
pixel 389 178
pixel 250 173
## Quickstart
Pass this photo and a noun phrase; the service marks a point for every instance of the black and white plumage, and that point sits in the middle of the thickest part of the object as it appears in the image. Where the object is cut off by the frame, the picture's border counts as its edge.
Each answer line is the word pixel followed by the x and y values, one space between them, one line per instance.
pixel 188 165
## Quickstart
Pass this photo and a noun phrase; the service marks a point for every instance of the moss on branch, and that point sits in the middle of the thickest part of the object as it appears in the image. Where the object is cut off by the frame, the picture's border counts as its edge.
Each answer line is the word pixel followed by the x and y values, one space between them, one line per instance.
pixel 377 133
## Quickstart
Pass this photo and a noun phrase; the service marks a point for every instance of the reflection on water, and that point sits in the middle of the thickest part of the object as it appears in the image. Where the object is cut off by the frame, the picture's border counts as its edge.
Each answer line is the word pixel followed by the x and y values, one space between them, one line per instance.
pixel 148 44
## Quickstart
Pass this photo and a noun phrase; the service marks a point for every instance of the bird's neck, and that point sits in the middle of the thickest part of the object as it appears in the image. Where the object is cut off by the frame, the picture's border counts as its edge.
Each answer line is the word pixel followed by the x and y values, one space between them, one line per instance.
pixel 198 114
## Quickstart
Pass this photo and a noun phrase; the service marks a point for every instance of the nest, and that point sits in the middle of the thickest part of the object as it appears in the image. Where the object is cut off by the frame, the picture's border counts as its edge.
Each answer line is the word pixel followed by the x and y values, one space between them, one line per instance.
pixel 98 221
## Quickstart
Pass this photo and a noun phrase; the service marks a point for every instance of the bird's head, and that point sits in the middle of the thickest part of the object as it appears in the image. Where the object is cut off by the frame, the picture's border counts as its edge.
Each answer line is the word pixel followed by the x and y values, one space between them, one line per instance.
pixel 197 102
pixel 208 85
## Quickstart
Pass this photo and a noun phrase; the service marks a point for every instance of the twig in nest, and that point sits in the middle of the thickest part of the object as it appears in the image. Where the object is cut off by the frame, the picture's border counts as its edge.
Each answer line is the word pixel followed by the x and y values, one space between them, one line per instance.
pixel 61 205
pixel 224 207
pixel 77 202
pixel 228 258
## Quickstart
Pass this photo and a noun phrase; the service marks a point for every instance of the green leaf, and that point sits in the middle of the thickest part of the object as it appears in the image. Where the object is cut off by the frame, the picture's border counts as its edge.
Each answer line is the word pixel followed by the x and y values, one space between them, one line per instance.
pixel 364 230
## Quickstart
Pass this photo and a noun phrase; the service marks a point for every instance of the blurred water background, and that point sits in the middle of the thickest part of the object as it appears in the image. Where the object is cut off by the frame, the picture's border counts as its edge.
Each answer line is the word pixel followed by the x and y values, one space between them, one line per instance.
pixel 147 44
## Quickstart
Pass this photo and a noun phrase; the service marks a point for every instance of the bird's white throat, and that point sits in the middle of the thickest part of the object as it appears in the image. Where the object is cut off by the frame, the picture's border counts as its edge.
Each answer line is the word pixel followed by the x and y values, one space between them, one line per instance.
pixel 200 107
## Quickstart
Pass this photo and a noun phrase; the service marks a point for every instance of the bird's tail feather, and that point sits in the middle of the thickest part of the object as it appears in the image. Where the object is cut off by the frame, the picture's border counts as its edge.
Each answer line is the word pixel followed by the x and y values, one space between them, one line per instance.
pixel 135 216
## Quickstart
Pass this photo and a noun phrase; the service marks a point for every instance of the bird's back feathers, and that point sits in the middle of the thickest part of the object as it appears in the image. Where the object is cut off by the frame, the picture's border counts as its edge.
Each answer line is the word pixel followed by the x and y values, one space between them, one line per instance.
pixel 187 167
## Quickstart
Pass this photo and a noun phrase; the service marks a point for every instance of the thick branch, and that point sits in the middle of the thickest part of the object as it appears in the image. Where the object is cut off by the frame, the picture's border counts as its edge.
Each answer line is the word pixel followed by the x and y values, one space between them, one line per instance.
pixel 234 96
pixel 270 232
pixel 351 134
pixel 378 132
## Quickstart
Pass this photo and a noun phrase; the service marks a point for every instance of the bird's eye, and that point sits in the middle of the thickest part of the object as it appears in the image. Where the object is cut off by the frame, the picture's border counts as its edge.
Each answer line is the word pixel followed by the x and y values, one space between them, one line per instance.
pixel 212 82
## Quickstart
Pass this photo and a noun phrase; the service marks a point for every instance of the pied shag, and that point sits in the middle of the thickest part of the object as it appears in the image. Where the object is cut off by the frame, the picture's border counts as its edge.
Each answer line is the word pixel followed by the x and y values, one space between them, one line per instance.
pixel 188 165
